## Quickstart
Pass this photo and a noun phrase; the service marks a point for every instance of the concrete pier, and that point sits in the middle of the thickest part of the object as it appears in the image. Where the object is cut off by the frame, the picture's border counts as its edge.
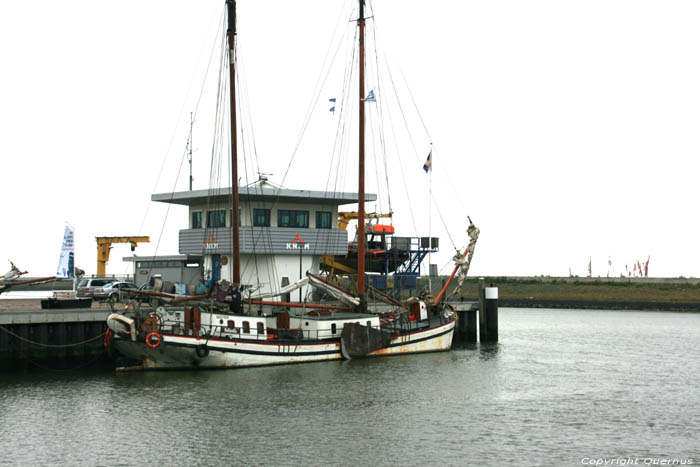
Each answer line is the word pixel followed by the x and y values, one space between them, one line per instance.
pixel 52 339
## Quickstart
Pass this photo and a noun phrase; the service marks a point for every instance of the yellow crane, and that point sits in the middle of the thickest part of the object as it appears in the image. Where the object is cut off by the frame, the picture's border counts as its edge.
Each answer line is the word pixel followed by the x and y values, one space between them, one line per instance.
pixel 344 217
pixel 104 245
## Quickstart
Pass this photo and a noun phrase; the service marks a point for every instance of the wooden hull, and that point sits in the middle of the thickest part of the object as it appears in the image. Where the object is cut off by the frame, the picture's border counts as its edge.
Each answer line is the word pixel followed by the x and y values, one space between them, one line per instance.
pixel 187 352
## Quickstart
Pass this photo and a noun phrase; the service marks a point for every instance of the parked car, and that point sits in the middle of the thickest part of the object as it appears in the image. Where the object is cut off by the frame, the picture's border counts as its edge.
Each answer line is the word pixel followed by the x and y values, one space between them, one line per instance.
pixel 115 291
pixel 86 288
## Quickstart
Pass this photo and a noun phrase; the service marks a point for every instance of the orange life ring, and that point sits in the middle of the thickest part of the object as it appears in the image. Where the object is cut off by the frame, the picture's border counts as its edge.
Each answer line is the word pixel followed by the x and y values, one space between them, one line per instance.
pixel 108 335
pixel 157 338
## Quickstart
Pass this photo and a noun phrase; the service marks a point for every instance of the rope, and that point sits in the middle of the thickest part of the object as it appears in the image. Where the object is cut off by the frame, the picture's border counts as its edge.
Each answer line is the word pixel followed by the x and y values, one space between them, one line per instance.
pixel 55 346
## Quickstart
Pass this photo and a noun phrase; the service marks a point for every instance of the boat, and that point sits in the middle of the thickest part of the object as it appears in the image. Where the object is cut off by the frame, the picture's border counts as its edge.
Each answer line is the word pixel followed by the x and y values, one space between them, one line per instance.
pixel 12 278
pixel 230 325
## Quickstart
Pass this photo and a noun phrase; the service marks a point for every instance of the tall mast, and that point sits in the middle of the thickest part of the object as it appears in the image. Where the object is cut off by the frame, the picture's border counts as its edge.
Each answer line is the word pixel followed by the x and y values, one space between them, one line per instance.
pixel 189 144
pixel 361 188
pixel 231 33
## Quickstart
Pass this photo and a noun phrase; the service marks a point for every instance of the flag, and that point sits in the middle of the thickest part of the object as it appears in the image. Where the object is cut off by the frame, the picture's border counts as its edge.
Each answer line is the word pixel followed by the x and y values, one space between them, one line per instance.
pixel 332 109
pixel 646 267
pixel 428 166
pixel 590 272
pixel 370 97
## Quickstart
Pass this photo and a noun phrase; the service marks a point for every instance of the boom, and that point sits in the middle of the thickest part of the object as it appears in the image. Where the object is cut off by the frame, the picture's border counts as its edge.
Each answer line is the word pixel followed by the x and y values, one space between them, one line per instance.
pixel 104 245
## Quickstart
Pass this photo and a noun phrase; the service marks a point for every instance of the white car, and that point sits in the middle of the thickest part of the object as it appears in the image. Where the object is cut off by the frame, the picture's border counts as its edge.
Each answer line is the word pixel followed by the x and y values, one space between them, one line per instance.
pixel 114 291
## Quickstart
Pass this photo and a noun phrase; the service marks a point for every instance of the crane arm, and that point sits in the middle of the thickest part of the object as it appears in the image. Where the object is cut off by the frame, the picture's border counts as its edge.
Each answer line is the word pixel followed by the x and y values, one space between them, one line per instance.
pixel 104 245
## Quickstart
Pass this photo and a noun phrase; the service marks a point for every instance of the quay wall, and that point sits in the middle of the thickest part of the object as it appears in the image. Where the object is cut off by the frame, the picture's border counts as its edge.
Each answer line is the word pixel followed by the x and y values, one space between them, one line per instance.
pixel 53 340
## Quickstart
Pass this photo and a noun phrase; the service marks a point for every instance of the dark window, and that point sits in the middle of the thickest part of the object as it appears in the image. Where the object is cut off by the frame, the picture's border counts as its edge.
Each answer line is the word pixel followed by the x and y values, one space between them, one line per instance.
pixel 216 219
pixel 197 220
pixel 261 328
pixel 246 327
pixel 261 217
pixel 333 328
pixel 323 220
pixel 288 218
pixel 231 324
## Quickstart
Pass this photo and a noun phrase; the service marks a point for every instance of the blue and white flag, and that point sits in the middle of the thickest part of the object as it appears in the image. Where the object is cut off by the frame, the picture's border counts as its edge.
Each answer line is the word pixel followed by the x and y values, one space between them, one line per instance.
pixel 428 166
pixel 65 261
pixel 332 109
pixel 370 97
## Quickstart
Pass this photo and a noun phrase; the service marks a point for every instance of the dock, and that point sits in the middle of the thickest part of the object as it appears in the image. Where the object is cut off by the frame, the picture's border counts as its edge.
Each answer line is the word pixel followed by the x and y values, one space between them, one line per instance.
pixel 31 338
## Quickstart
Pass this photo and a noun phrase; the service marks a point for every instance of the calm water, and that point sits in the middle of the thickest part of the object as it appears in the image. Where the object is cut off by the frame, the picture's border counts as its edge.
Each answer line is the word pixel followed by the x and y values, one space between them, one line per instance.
pixel 559 387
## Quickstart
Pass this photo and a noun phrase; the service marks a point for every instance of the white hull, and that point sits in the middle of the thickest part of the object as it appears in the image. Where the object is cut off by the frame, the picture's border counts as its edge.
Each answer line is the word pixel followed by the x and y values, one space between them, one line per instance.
pixel 180 352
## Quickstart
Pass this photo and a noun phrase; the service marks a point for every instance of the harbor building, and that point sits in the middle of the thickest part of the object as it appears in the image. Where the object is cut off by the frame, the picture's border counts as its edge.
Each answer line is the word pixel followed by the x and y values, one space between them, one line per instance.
pixel 283 234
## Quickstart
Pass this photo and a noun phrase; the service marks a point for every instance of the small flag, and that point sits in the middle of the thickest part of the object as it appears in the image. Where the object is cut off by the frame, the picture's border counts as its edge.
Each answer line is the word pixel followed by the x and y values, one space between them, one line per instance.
pixel 332 109
pixel 428 166
pixel 370 97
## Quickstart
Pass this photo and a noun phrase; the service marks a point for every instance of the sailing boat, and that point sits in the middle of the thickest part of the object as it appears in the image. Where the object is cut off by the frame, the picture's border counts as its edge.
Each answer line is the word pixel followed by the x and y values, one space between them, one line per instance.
pixel 237 330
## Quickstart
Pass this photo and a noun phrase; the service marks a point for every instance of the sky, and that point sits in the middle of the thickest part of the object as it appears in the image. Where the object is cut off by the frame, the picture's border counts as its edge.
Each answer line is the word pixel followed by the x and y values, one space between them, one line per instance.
pixel 566 130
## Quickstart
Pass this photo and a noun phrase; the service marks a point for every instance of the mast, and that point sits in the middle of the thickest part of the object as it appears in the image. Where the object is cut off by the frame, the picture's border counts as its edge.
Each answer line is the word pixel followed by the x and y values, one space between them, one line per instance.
pixel 189 144
pixel 361 187
pixel 231 33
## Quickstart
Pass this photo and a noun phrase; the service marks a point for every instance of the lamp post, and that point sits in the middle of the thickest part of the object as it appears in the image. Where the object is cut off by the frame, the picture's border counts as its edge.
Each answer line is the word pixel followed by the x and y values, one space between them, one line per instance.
pixel 299 242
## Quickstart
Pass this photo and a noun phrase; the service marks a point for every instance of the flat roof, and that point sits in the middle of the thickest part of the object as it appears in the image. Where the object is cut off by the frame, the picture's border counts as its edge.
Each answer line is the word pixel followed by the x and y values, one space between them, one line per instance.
pixel 258 192
pixel 161 258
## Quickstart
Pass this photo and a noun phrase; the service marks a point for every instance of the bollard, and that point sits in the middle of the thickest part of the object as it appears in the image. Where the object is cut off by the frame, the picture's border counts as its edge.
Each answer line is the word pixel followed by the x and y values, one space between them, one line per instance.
pixel 491 314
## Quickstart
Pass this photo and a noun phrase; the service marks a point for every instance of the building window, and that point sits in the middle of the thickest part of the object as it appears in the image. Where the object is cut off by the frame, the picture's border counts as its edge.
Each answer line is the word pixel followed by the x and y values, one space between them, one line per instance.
pixel 288 218
pixel 246 327
pixel 261 328
pixel 216 219
pixel 261 217
pixel 197 220
pixel 323 219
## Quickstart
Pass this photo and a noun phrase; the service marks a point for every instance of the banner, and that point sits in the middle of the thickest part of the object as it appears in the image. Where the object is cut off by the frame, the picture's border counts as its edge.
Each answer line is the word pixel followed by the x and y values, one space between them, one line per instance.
pixel 65 262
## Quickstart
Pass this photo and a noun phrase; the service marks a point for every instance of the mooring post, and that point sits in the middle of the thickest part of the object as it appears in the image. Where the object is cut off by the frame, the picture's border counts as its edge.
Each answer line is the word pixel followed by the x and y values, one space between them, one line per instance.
pixel 470 331
pixel 482 315
pixel 491 314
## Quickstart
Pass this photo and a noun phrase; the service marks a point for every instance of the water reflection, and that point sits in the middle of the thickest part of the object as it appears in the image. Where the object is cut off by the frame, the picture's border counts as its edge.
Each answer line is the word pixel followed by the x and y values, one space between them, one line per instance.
pixel 489 350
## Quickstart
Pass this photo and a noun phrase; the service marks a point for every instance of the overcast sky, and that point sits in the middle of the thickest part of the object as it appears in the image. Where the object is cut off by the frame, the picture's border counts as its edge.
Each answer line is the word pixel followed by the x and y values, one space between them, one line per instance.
pixel 566 130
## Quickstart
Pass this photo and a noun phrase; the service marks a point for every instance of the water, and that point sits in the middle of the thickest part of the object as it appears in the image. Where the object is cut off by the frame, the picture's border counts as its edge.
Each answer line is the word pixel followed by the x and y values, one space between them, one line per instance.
pixel 561 388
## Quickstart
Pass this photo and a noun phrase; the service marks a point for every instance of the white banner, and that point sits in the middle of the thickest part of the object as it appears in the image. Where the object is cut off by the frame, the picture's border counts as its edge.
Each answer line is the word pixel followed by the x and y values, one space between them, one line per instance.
pixel 65 262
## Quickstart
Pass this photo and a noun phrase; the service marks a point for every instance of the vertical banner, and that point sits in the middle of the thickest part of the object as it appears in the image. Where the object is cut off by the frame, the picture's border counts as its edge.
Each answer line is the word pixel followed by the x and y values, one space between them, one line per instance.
pixel 65 262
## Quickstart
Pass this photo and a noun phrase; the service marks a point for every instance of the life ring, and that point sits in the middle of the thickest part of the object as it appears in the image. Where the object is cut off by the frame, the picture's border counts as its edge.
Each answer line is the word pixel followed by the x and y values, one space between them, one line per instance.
pixel 108 338
pixel 202 351
pixel 153 340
